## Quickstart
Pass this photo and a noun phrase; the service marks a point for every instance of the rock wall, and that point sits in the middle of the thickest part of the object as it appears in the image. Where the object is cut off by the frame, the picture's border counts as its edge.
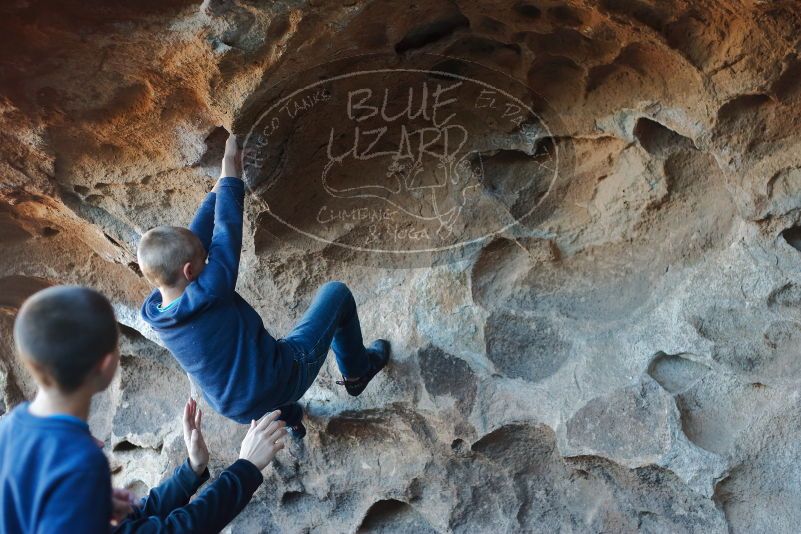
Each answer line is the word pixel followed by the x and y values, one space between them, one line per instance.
pixel 623 356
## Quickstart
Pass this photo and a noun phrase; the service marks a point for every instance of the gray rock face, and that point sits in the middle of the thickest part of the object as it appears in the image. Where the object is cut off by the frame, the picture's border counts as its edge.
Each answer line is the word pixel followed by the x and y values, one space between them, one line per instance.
pixel 589 269
pixel 640 426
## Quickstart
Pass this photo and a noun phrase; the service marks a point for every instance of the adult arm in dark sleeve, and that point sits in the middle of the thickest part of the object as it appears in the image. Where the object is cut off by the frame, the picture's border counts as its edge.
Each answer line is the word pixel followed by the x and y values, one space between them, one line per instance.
pixel 210 511
pixel 171 494
pixel 203 223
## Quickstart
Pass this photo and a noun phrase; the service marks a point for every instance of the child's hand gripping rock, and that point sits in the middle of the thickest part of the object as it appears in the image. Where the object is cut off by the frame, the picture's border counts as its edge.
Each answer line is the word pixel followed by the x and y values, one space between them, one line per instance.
pixel 230 162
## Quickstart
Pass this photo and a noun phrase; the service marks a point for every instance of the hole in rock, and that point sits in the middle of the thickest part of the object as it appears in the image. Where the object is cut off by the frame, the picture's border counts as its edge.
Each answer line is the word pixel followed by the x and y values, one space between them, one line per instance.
pixel 789 295
pixel 500 443
pixel 566 15
pixel 111 240
pixel 639 11
pixel 125 446
pixel 529 348
pixel 788 85
pixel 459 446
pixel 546 147
pixel 793 237
pixel 743 106
pixel 528 10
pixel 215 147
pixel 674 372
pixel 449 66
pixel 433 31
pixel 415 490
pixel 481 46
pixel 637 61
pixel 492 25
pixel 80 189
pixel 658 139
pixel 519 181
pixel 445 374
pixel 135 268
pixel 558 78
pixel 129 332
pixel 291 497
pixel 390 515
pixel 722 494
pixel 49 231
pixel 688 34
pixel 583 473
pixel 598 75
pixel 568 42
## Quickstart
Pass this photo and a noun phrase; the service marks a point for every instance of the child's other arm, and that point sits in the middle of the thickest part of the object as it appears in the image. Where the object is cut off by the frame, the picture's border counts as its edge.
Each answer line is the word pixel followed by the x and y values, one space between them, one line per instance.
pixel 226 240
pixel 203 223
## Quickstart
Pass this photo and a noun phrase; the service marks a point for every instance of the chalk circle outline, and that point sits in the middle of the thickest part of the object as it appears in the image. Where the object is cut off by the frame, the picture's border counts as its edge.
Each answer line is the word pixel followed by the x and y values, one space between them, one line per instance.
pixel 459 245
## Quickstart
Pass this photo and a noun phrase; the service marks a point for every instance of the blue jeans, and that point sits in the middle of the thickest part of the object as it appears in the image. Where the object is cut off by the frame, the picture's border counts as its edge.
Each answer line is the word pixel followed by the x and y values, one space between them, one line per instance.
pixel 331 321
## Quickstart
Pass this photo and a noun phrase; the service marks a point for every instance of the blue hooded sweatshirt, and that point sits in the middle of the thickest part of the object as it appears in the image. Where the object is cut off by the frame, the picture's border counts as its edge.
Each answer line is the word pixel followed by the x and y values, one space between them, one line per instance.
pixel 217 337
pixel 53 475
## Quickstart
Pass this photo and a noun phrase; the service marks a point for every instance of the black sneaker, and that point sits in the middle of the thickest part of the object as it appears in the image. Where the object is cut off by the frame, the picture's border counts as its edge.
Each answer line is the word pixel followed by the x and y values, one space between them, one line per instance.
pixel 378 354
pixel 292 415
pixel 298 431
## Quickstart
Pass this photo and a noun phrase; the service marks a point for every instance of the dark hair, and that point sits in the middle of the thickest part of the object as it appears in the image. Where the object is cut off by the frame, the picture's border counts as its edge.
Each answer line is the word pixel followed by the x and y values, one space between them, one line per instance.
pixel 66 330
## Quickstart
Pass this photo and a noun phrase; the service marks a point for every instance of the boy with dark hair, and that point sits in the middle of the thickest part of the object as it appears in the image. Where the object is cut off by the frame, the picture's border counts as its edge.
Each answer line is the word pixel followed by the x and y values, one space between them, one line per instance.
pixel 220 340
pixel 54 476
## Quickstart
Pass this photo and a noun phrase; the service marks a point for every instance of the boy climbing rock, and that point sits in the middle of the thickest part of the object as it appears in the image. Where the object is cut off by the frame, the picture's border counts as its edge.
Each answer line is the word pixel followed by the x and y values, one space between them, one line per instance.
pixel 220 340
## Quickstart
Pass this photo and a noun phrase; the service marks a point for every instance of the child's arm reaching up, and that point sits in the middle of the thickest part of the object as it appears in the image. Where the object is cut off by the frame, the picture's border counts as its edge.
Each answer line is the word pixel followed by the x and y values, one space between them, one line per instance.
pixel 230 161
pixel 226 240
pixel 203 223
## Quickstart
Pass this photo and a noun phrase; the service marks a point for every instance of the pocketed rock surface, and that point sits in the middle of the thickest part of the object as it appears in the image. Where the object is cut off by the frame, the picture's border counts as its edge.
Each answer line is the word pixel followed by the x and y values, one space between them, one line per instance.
pixel 625 357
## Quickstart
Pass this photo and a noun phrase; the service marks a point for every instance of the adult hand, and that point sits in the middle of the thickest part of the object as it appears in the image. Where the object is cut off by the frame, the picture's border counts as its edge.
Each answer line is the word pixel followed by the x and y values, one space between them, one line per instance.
pixel 263 440
pixel 122 504
pixel 193 437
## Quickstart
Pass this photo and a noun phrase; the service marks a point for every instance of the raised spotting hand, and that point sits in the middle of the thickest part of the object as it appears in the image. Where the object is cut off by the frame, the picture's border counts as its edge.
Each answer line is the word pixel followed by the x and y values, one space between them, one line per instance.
pixel 263 440
pixel 193 437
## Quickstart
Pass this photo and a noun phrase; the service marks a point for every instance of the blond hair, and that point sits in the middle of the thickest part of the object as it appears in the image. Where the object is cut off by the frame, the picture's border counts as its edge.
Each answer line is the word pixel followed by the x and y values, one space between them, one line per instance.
pixel 163 251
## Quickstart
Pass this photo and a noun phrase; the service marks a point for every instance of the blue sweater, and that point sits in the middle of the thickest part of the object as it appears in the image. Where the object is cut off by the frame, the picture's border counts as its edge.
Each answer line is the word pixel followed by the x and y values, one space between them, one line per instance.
pixel 53 475
pixel 217 337
pixel 167 507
